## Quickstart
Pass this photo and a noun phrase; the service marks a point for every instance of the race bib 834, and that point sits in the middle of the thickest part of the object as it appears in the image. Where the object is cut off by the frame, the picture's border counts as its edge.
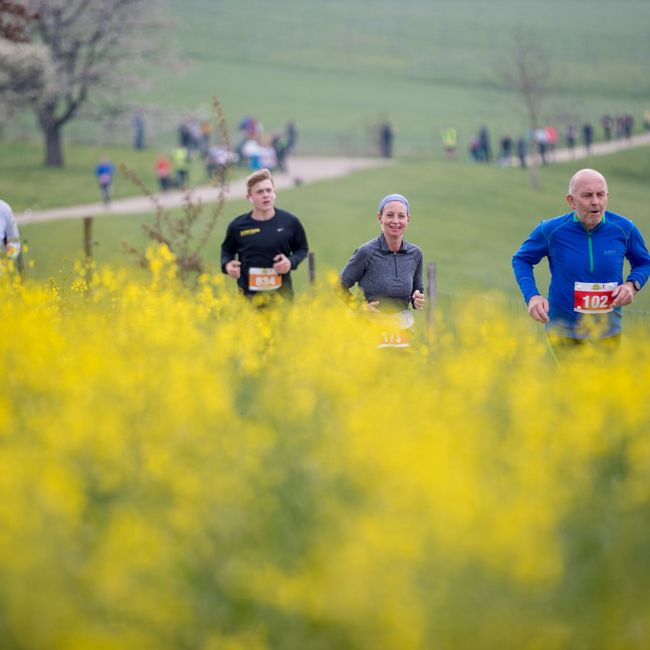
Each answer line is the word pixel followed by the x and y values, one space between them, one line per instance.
pixel 263 279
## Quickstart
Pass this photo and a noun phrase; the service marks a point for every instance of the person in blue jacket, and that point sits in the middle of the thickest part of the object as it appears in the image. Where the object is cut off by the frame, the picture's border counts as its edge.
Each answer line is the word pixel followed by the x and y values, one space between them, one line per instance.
pixel 586 249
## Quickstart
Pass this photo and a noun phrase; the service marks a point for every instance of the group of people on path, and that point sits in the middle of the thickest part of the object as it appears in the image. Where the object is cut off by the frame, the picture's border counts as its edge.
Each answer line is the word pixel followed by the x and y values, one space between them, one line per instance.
pixel 540 141
pixel 586 248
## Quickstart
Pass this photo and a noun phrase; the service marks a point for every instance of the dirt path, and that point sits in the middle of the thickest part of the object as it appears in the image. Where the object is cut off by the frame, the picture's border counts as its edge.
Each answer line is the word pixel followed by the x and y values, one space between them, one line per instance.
pixel 302 169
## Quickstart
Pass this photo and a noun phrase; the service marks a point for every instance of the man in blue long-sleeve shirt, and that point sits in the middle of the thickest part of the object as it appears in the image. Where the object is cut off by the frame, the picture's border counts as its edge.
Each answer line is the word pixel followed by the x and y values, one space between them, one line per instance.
pixel 586 249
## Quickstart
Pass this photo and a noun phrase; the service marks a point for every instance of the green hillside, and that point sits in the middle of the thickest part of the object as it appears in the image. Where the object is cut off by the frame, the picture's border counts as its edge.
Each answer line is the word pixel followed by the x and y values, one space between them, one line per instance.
pixel 338 67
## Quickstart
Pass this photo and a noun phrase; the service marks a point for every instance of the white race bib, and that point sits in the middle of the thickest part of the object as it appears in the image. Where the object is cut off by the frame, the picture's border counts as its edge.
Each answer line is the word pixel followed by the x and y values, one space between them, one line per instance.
pixel 263 279
pixel 593 297
pixel 397 334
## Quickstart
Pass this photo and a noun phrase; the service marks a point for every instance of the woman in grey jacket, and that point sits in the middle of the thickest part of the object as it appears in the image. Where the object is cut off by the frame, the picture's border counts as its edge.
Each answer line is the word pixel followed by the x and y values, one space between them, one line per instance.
pixel 388 268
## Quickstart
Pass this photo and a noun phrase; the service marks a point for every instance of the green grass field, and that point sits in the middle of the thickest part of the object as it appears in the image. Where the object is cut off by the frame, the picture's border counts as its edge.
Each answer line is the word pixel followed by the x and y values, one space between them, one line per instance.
pixel 338 67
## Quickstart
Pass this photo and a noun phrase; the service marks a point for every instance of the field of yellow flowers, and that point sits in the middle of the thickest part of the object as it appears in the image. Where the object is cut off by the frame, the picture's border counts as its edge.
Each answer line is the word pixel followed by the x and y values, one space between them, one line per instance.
pixel 180 470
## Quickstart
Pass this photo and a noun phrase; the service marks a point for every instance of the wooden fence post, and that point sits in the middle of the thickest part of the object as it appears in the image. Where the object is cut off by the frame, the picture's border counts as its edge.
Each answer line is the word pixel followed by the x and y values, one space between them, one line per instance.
pixel 88 248
pixel 432 290
pixel 88 236
pixel 311 267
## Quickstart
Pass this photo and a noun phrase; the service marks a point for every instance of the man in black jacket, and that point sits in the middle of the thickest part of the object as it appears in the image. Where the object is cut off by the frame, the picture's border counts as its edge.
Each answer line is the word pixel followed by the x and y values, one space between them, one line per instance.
pixel 263 246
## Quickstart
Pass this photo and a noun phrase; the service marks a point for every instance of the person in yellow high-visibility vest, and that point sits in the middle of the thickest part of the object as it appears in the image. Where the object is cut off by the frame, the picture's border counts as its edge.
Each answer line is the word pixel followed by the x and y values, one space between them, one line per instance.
pixel 449 141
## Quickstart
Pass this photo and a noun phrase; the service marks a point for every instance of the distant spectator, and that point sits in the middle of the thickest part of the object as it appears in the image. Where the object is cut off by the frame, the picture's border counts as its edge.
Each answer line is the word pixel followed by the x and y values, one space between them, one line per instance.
pixel 386 136
pixel 449 137
pixel 484 145
pixel 164 172
pixel 522 147
pixel 291 133
pixel 268 157
pixel 181 165
pixel 571 137
pixel 541 140
pixel 251 127
pixel 218 159
pixel 606 122
pixel 104 172
pixel 279 144
pixel 587 136
pixel 628 125
pixel 646 121
pixel 551 139
pixel 206 134
pixel 475 149
pixel 506 150
pixel 184 134
pixel 251 152
pixel 620 125
pixel 194 147
pixel 138 130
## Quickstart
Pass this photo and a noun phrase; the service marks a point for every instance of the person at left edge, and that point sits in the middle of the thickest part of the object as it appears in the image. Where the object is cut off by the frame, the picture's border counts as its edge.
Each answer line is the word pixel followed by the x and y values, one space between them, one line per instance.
pixel 9 234
pixel 263 246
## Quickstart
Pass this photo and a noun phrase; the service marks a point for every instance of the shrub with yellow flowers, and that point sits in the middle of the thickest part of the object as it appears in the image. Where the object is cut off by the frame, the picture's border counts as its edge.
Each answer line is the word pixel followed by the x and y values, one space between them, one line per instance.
pixel 179 469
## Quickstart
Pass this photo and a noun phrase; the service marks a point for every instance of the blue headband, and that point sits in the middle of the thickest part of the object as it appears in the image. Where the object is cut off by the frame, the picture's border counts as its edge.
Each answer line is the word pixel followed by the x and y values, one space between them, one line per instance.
pixel 393 197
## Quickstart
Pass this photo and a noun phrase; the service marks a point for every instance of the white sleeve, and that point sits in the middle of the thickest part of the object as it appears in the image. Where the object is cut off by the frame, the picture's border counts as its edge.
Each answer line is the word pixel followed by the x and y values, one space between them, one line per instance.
pixel 11 227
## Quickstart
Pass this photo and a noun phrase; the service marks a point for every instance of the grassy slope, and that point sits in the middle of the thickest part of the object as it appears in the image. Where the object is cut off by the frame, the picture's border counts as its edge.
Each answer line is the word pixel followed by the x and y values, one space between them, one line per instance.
pixel 467 218
pixel 336 67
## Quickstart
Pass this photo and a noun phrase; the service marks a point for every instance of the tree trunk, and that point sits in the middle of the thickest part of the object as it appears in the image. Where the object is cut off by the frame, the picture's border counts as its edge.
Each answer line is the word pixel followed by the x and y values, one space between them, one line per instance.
pixel 53 148
pixel 51 129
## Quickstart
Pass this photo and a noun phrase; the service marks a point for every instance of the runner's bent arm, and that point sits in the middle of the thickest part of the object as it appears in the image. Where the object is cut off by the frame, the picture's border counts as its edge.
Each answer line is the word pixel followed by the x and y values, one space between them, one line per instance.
pixel 529 254
pixel 638 256
pixel 417 291
pixel 352 272
pixel 229 248
pixel 299 246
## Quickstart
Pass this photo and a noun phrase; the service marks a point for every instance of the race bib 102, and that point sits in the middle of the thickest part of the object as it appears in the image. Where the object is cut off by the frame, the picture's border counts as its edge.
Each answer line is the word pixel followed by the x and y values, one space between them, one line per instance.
pixel 593 297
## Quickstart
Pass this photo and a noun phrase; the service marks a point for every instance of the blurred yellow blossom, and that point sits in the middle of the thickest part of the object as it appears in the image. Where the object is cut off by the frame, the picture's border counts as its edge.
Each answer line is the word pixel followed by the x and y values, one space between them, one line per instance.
pixel 181 469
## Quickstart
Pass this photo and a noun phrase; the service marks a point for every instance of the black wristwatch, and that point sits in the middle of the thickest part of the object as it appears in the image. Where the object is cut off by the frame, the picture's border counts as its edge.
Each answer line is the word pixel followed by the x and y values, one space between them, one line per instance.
pixel 636 284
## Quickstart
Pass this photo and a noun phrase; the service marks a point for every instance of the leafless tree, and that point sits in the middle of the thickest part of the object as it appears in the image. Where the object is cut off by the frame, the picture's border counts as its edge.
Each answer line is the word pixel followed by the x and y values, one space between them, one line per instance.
pixel 180 233
pixel 525 68
pixel 96 48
